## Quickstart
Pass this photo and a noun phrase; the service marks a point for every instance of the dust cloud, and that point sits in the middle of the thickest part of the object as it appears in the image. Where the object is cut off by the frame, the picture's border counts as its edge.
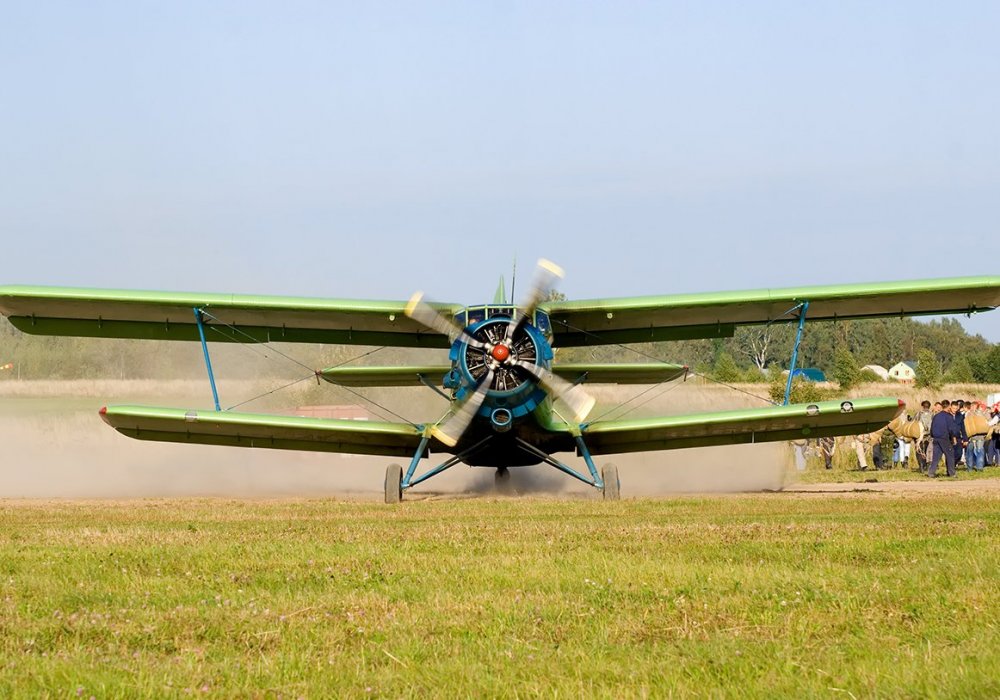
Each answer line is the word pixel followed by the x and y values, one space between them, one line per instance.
pixel 56 446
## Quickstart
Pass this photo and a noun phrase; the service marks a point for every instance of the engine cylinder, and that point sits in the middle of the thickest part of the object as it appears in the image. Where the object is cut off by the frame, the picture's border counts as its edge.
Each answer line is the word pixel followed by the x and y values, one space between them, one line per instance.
pixel 513 388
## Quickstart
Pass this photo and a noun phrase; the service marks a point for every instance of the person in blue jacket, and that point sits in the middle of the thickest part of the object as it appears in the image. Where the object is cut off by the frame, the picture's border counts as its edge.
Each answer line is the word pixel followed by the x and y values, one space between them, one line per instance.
pixel 963 439
pixel 944 434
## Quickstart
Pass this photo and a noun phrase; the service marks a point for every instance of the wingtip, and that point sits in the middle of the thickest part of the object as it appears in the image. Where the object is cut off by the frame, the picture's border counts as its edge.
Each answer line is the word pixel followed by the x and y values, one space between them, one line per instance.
pixel 103 413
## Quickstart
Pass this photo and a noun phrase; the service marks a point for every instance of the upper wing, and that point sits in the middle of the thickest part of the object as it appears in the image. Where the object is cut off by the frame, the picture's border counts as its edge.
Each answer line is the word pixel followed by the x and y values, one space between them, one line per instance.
pixel 263 430
pixel 716 315
pixel 113 313
pixel 774 423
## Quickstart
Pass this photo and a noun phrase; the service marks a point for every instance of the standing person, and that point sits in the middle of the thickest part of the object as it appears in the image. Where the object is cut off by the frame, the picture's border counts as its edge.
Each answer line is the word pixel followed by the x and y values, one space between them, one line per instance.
pixel 858 443
pixel 898 445
pixel 944 434
pixel 799 448
pixel 993 437
pixel 875 439
pixel 975 452
pixel 827 445
pixel 882 449
pixel 925 416
pixel 901 452
pixel 958 411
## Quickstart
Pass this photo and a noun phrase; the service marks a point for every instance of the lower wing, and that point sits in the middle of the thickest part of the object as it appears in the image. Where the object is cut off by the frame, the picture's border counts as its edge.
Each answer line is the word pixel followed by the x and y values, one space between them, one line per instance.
pixel 771 424
pixel 263 430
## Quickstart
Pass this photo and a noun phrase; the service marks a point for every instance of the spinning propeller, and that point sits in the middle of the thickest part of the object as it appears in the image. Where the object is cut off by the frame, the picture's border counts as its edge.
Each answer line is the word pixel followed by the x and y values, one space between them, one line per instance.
pixel 450 430
pixel 502 356
pixel 546 275
pixel 422 312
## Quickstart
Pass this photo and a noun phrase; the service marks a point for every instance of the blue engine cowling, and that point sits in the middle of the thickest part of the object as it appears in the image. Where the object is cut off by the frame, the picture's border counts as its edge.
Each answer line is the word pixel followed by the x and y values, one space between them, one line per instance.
pixel 513 389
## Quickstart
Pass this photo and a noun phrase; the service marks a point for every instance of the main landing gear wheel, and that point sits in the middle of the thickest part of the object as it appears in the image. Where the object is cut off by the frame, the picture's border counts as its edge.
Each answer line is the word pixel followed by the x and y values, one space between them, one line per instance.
pixel 501 480
pixel 612 486
pixel 393 483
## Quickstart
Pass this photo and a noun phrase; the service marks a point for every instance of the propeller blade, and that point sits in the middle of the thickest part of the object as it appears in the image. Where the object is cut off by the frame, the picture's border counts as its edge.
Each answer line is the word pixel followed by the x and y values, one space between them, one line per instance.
pixel 547 273
pixel 423 313
pixel 452 429
pixel 573 395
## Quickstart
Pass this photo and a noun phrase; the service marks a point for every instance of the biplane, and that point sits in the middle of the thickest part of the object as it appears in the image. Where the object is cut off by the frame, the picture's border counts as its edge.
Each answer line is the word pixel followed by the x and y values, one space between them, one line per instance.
pixel 512 403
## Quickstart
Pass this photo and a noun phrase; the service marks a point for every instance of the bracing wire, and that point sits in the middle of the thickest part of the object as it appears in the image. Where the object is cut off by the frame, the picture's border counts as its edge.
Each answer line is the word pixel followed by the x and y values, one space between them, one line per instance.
pixel 255 340
pixel 272 391
pixel 666 391
pixel 734 388
pixel 663 361
pixel 312 372
pixel 623 404
pixel 379 406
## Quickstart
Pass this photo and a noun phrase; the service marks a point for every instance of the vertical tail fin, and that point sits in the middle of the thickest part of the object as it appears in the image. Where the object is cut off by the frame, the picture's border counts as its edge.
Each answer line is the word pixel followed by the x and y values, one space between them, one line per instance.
pixel 500 296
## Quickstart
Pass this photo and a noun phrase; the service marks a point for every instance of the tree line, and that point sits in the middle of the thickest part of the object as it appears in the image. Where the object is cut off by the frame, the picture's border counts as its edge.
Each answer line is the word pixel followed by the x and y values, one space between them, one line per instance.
pixel 942 348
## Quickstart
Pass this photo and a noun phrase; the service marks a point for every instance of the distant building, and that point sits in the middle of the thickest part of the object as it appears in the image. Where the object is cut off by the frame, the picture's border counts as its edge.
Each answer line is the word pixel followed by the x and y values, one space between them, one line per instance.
pixel 810 374
pixel 904 372
pixel 879 370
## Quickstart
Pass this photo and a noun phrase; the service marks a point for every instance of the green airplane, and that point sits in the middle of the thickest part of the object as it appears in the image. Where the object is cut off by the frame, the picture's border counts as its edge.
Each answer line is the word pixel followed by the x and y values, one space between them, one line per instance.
pixel 512 405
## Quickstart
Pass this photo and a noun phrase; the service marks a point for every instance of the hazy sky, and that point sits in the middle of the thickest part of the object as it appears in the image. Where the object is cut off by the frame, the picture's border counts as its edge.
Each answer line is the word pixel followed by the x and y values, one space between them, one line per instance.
pixel 371 149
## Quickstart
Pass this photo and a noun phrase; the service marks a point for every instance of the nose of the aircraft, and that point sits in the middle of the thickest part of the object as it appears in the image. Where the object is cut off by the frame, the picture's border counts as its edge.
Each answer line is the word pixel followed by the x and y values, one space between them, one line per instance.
pixel 500 352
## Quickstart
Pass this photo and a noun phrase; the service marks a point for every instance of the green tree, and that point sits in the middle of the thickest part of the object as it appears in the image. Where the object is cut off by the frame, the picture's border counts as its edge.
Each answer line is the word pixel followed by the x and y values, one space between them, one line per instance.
pixel 986 365
pixel 960 371
pixel 928 370
pixel 868 376
pixel 726 369
pixel 845 368
pixel 803 391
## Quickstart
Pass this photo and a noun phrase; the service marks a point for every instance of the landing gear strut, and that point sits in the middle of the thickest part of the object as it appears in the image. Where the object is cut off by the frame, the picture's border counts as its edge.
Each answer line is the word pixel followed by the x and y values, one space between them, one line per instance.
pixel 393 483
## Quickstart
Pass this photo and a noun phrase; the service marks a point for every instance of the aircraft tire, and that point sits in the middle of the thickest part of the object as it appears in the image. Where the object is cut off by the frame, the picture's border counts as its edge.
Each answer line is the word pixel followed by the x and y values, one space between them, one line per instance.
pixel 501 481
pixel 393 483
pixel 612 485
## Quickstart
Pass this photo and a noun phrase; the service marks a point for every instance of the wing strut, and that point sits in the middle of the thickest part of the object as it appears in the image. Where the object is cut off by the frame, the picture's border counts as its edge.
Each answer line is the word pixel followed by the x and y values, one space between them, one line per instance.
pixel 595 478
pixel 208 359
pixel 409 481
pixel 803 308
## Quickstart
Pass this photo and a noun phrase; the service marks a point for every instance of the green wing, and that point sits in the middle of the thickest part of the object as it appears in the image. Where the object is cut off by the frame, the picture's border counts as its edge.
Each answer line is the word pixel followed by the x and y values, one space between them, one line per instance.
pixel 716 315
pixel 262 430
pixel 620 373
pixel 775 423
pixel 386 376
pixel 113 313
pixel 611 373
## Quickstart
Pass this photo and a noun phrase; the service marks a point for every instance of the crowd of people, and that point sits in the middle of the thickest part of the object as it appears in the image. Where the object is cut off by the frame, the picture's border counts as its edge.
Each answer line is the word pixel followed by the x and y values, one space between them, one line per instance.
pixel 962 432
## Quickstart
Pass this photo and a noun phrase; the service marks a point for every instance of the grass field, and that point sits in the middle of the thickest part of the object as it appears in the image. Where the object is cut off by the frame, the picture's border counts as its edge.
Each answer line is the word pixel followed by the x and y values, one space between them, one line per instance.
pixel 815 473
pixel 739 596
